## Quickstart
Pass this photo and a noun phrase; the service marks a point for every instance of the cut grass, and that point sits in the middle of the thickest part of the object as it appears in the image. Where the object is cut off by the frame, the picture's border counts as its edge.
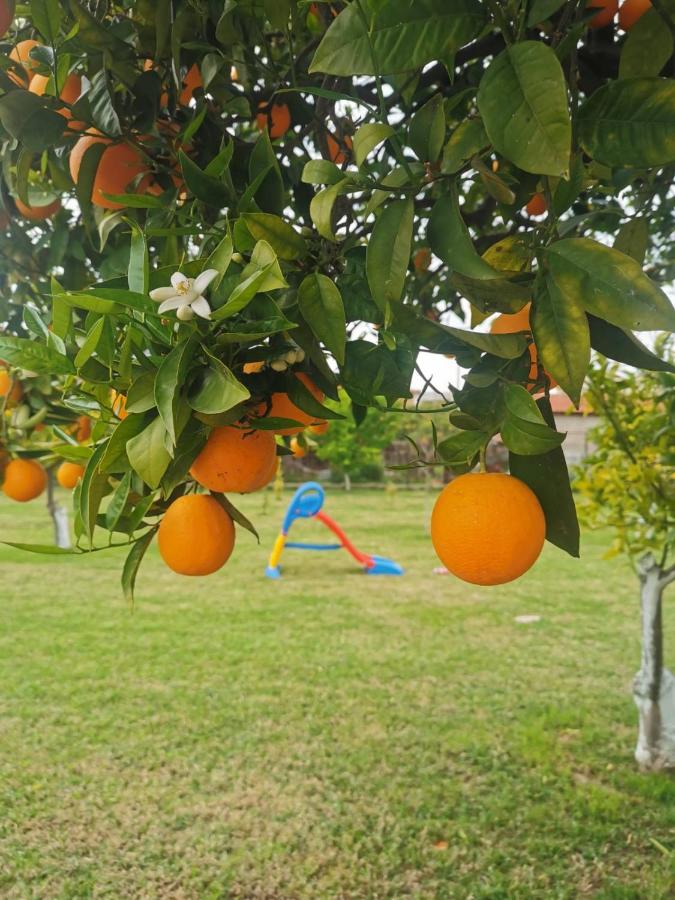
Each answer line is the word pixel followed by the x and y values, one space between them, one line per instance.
pixel 328 735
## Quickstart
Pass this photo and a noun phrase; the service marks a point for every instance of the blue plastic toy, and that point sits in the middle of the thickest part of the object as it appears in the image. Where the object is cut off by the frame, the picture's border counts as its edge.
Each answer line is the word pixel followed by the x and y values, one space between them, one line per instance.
pixel 306 503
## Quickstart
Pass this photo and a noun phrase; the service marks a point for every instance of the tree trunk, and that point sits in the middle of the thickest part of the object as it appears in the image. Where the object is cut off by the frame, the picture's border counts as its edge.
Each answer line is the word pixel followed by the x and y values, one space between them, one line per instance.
pixel 654 685
pixel 59 516
pixel 348 482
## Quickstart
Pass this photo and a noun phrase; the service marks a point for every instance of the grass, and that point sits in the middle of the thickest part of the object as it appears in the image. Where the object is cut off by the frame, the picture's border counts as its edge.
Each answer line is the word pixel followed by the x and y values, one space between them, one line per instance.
pixel 330 735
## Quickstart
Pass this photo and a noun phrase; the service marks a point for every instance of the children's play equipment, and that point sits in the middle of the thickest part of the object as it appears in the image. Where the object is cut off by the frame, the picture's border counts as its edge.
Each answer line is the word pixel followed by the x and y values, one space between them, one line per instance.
pixel 306 504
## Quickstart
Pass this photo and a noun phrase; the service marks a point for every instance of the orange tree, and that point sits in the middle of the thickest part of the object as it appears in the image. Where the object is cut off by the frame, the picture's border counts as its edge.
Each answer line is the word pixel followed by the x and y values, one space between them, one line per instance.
pixel 207 204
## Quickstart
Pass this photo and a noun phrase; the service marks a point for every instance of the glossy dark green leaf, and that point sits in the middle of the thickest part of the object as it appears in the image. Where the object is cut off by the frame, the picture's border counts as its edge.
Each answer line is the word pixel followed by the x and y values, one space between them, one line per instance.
pixel 306 401
pixel 28 354
pixel 491 295
pixel 522 99
pixel 114 458
pixel 560 330
pixel 447 339
pixel 139 264
pixel 450 240
pixel 221 257
pixel 216 389
pixel 523 427
pixel 46 16
pixel 388 254
pixel 90 344
pixel 46 549
pixel 27 118
pixel 133 562
pixel 647 48
pixel 460 448
pixel 282 237
pixel 168 384
pixel 141 394
pixel 465 141
pixel 243 293
pixel 236 514
pixel 117 502
pixel 204 187
pixel 540 10
pixel 624 347
pixel 569 189
pixel 546 474
pixel 147 452
pixel 630 122
pixel 322 308
pixel 405 35
pixel 93 487
pixel 426 132
pixel 102 108
pixel 610 285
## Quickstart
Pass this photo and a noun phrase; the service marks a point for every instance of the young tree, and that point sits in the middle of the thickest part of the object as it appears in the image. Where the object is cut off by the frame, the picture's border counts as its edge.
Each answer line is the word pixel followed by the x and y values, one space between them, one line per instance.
pixel 627 485
pixel 205 202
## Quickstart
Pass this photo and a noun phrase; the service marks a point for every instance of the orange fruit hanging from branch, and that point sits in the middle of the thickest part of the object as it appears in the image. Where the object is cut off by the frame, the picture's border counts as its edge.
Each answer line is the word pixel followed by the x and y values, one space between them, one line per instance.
pixel 37 213
pixel 68 474
pixel 10 388
pixel 487 528
pixel 25 479
pixel 275 117
pixel 234 460
pixel 631 11
pixel 282 407
pixel 196 535
pixel 21 55
pixel 120 165
pixel 607 11
pixel 520 321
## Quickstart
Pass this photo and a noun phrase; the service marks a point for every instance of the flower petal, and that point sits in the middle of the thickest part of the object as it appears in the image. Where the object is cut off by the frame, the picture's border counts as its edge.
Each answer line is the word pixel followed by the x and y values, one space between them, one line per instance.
pixel 178 281
pixel 171 303
pixel 204 280
pixel 165 293
pixel 201 307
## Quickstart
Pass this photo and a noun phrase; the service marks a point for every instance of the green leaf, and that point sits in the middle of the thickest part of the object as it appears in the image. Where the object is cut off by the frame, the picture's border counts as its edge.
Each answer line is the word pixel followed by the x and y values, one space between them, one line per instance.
pixel 87 174
pixel 168 383
pixel 569 189
pixel 426 131
pixel 610 285
pixel 460 448
pixel 523 427
pixel 93 487
pixel 90 344
pixel 633 238
pixel 236 515
pixel 630 122
pixel 204 187
pixel 446 339
pixel 242 295
pixel 546 474
pixel 624 347
pixel 405 35
pixel 47 549
pixel 28 354
pixel 282 237
pixel 137 201
pixel 540 10
pixel 114 458
pixel 523 101
pixel 27 118
pixel 560 330
pixel 221 258
pixel 141 394
pixel 321 171
pixel 648 46
pixel 117 502
pixel 388 253
pixel 368 137
pixel 100 99
pixel 139 264
pixel 147 452
pixel 465 141
pixel 46 16
pixel 396 178
pixel 91 303
pixel 306 401
pixel 450 240
pixel 491 295
pixel 322 308
pixel 133 562
pixel 321 207
pixel 216 389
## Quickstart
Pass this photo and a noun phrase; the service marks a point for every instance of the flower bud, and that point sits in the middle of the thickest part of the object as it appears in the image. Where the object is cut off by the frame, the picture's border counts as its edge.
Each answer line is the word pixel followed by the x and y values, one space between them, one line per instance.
pixel 279 365
pixel 184 313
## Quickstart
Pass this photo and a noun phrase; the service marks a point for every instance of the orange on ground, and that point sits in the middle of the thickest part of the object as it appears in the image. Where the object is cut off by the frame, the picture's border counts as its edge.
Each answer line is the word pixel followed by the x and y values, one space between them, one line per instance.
pixel 118 166
pixel 196 535
pixel 192 81
pixel 37 213
pixel 6 16
pixel 282 407
pixel 68 474
pixel 536 205
pixel 520 321
pixel 335 152
pixel 25 479
pixel 118 402
pixel 322 428
pixel 631 11
pixel 10 388
pixel 20 55
pixel 235 460
pixel 297 449
pixel 487 528
pixel 275 116
pixel 607 12
pixel 422 259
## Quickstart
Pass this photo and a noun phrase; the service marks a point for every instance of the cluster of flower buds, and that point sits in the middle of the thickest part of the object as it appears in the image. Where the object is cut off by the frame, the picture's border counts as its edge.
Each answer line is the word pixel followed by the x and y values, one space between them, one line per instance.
pixel 289 358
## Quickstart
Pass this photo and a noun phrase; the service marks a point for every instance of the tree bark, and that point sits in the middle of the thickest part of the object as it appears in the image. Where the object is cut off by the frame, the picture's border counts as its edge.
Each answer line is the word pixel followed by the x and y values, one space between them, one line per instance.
pixel 348 482
pixel 59 516
pixel 654 685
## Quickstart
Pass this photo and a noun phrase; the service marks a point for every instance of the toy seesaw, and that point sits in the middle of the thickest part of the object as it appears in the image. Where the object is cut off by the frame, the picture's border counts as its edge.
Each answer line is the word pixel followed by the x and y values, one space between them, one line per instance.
pixel 306 503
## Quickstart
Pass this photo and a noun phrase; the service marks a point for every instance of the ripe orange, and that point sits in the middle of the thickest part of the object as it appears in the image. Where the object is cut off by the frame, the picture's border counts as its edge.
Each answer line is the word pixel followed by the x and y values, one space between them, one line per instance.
pixel 118 166
pixel 487 528
pixel 282 406
pixel 297 448
pixel 607 12
pixel 83 428
pixel 422 259
pixel 192 81
pixel 10 388
pixel 335 152
pixel 68 474
pixel 536 205
pixel 118 403
pixel 20 55
pixel 6 16
pixel 520 321
pixel 69 94
pixel 196 535
pixel 37 213
pixel 275 116
pixel 322 428
pixel 234 460
pixel 25 479
pixel 631 11
pixel 252 368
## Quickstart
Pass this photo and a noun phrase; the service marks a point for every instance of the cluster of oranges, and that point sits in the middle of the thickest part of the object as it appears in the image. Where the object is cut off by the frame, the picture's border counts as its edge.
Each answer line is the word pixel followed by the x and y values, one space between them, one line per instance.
pixel 629 12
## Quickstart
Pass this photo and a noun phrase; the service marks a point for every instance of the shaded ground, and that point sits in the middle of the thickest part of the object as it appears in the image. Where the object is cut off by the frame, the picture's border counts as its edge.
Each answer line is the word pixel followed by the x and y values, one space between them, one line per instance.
pixel 331 735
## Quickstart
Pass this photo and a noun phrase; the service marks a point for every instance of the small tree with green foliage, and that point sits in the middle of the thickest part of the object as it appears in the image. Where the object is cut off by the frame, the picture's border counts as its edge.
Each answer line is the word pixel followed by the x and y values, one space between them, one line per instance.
pixel 628 485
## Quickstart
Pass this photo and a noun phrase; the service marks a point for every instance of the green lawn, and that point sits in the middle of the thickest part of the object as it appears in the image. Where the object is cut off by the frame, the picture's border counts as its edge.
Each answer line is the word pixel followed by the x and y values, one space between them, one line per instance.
pixel 331 735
